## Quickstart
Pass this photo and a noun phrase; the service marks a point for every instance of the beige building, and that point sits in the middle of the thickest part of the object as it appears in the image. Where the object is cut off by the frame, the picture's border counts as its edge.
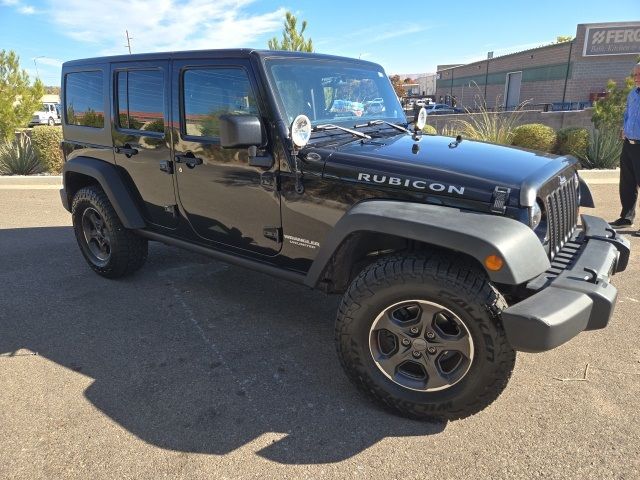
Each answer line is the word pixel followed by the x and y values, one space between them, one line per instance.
pixel 560 76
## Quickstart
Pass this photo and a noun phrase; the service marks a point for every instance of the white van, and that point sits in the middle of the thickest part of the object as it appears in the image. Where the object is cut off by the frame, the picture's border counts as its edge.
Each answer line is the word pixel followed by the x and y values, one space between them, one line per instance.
pixel 49 114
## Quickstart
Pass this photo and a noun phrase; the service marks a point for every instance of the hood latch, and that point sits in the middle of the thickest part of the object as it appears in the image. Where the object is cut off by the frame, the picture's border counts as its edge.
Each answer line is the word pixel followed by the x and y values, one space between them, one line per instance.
pixel 500 198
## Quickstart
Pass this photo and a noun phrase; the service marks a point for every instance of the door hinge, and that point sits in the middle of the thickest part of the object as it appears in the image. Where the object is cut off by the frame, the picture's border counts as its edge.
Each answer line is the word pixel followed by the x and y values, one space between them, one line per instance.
pixel 270 181
pixel 172 210
pixel 166 166
pixel 500 198
pixel 273 233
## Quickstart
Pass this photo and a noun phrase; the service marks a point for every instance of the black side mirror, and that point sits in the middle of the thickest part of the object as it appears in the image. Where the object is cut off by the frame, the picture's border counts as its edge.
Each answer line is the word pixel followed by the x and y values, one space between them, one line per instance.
pixel 241 131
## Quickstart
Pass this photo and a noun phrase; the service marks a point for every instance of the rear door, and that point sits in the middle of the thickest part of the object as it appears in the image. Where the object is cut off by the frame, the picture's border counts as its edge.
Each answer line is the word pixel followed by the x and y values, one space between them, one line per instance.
pixel 141 142
pixel 225 200
pixel 512 89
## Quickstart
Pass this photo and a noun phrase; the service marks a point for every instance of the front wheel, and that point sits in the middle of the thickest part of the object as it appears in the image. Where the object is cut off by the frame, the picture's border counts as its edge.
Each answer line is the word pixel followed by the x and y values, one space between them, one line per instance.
pixel 51 122
pixel 421 335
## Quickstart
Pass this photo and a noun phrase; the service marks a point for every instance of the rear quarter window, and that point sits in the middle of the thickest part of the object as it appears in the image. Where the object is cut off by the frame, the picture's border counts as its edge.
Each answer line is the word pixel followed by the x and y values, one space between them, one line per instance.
pixel 84 99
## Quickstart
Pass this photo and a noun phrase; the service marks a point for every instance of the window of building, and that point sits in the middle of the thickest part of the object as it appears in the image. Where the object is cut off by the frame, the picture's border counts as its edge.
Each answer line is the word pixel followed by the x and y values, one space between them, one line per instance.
pixel 141 100
pixel 84 99
pixel 211 92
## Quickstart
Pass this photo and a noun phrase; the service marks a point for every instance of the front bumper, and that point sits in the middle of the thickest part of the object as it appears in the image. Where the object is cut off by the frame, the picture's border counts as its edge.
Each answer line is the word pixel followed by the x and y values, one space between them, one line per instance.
pixel 579 298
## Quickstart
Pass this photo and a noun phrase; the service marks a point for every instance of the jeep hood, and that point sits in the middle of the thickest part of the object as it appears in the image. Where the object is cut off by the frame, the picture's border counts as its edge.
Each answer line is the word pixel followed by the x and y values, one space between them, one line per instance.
pixel 399 161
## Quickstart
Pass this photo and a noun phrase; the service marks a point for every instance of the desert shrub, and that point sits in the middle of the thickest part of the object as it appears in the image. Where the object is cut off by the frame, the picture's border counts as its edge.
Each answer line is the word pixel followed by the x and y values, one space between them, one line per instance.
pixel 450 131
pixel 429 129
pixel 573 141
pixel 604 150
pixel 535 136
pixel 486 125
pixel 18 157
pixel 46 143
pixel 608 111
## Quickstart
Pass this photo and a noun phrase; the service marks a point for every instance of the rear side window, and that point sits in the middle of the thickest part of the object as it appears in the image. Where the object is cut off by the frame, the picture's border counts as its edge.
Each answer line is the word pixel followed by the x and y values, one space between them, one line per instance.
pixel 141 100
pixel 211 92
pixel 84 99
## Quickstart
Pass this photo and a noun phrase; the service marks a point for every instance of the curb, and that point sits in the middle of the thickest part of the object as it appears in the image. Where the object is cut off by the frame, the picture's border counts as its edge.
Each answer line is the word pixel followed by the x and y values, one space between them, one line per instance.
pixel 30 179
pixel 595 177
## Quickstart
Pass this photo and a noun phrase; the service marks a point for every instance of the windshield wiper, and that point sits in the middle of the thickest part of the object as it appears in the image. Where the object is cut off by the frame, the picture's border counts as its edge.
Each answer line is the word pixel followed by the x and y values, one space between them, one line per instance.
pixel 372 123
pixel 330 126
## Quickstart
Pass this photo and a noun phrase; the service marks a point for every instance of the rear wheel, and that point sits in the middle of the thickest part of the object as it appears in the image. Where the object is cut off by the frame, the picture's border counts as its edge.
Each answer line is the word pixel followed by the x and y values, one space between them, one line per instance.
pixel 108 247
pixel 421 335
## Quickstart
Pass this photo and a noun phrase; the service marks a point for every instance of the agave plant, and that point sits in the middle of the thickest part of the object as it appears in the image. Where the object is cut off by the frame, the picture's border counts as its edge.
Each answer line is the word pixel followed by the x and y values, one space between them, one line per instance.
pixel 604 150
pixel 18 157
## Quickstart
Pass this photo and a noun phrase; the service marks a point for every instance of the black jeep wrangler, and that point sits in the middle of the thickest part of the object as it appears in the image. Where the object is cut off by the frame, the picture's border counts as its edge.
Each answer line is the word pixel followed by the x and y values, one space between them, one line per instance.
pixel 450 254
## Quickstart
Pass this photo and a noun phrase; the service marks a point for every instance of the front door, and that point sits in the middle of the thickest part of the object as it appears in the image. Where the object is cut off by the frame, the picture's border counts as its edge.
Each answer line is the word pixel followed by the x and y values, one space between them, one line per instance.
pixel 226 201
pixel 512 89
pixel 142 148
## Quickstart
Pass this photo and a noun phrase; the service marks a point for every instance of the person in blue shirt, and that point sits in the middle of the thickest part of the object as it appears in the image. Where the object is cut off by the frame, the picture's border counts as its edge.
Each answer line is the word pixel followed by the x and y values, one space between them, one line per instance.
pixel 630 157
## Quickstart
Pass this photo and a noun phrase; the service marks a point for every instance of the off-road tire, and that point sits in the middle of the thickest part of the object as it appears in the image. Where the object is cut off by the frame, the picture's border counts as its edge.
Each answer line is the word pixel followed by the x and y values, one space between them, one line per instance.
pixel 128 251
pixel 460 286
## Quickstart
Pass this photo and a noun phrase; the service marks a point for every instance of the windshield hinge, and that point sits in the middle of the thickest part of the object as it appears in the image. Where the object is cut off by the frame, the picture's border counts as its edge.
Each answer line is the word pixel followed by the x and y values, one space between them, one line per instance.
pixel 500 198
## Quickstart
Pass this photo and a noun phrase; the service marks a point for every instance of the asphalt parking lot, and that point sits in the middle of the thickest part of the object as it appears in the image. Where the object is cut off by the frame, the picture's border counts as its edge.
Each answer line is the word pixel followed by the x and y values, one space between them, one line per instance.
pixel 195 369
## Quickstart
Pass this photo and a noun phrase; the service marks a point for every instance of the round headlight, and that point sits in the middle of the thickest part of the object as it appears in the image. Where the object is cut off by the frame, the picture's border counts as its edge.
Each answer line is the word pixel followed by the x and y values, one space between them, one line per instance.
pixel 421 121
pixel 301 131
pixel 536 216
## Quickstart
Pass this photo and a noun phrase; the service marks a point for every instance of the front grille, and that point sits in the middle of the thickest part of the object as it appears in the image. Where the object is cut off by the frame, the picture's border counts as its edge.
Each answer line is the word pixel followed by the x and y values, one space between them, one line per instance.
pixel 561 206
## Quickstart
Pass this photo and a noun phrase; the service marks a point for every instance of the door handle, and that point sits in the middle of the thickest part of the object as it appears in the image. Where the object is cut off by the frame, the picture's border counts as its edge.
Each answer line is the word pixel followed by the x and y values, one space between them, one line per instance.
pixel 189 159
pixel 127 150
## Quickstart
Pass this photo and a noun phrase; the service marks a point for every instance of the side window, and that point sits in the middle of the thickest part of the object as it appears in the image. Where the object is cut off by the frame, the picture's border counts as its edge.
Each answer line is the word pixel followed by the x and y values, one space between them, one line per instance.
pixel 208 93
pixel 84 99
pixel 141 100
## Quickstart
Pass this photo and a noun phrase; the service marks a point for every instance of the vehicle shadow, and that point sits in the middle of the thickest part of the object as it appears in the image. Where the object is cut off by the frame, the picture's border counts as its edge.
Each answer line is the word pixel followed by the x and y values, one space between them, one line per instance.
pixel 190 354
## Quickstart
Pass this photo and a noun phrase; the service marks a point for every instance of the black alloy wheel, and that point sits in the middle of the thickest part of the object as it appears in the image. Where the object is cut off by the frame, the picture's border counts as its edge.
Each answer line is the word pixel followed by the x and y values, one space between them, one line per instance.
pixel 96 236
pixel 421 345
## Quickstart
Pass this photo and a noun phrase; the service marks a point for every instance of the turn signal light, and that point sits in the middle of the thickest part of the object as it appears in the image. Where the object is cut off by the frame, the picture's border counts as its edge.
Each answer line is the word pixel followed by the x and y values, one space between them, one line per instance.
pixel 493 263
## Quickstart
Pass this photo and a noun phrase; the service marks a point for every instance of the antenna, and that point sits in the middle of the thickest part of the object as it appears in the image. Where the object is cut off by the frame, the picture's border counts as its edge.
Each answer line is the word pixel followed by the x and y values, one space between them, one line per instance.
pixel 128 45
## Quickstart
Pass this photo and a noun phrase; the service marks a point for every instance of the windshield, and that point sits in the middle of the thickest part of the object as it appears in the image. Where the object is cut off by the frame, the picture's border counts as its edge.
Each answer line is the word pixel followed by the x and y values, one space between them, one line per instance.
pixel 333 91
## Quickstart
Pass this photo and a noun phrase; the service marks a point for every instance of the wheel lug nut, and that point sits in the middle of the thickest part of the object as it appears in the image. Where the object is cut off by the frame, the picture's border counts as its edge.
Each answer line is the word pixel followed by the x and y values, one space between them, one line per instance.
pixel 416 354
pixel 431 350
pixel 414 330
pixel 431 335
pixel 405 341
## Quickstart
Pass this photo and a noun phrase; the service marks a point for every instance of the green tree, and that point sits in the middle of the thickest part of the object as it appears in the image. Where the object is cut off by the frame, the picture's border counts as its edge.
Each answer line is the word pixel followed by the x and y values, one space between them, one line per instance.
pixel 563 38
pixel 292 40
pixel 18 98
pixel 398 86
pixel 608 111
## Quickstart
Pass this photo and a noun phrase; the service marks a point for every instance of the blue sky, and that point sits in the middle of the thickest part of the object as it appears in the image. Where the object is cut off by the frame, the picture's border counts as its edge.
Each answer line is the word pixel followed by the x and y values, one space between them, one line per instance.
pixel 405 37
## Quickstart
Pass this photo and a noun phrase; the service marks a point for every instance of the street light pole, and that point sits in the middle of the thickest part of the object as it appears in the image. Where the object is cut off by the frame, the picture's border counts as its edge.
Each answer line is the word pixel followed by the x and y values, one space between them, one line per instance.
pixel 36 65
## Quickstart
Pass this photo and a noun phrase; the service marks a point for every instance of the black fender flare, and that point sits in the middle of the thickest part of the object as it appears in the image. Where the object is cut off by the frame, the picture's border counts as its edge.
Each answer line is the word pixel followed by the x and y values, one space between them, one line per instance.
pixel 107 176
pixel 475 234
pixel 586 199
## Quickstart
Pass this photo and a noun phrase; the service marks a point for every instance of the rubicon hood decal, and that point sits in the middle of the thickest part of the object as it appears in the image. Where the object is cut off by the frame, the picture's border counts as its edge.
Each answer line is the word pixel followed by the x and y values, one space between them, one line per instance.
pixel 417 184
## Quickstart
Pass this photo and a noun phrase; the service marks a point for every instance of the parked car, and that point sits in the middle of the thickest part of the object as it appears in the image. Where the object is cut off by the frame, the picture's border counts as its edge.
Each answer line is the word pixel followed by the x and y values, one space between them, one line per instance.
pixel 450 255
pixel 49 114
pixel 441 109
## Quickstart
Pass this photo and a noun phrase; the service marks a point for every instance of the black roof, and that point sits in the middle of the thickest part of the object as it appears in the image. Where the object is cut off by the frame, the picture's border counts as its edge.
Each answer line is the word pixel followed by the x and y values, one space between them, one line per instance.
pixel 221 53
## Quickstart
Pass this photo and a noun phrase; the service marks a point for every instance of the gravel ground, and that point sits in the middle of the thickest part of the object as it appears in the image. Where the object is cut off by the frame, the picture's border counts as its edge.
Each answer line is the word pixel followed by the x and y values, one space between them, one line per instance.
pixel 192 369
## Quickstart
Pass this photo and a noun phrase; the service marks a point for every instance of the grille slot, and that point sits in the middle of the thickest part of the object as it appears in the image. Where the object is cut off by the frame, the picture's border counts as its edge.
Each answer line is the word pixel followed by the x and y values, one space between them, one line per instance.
pixel 562 214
